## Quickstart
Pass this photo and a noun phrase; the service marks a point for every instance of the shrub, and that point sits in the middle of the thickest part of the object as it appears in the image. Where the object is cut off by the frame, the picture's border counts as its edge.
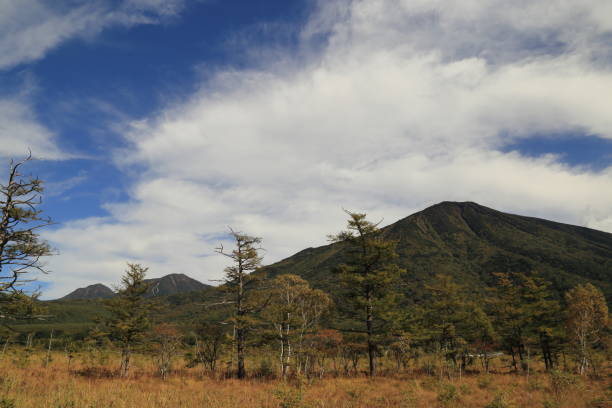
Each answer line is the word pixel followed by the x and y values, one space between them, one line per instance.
pixel 499 401
pixel 265 369
pixel 534 385
pixel 550 404
pixel 430 384
pixel 448 394
pixel 484 382
pixel 561 382
pixel 289 397
pixel 7 403
pixel 409 400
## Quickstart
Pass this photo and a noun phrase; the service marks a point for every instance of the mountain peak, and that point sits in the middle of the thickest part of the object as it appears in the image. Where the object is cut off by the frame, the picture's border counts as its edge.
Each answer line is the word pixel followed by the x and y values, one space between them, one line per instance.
pixel 95 291
pixel 166 285
pixel 174 283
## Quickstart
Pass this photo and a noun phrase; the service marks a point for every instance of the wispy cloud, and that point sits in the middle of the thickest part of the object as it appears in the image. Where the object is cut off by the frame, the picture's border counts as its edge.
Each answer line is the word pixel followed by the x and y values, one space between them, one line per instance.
pixel 31 28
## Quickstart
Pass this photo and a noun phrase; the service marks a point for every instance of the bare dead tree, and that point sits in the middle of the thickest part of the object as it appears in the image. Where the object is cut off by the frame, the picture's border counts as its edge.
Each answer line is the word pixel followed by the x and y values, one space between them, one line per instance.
pixel 21 248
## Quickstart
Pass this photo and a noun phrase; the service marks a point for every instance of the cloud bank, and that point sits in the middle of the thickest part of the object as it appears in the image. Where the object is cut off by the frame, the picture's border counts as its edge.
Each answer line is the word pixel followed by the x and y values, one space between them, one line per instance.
pixel 406 103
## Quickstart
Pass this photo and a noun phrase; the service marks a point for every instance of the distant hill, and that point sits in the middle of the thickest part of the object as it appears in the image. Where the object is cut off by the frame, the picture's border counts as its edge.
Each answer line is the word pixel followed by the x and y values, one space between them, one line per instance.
pixel 172 284
pixel 471 242
pixel 97 291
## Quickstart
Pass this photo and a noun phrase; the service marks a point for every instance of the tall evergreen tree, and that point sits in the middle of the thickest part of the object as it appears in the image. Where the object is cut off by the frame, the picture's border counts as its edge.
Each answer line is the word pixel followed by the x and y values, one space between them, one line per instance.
pixel 368 277
pixel 239 285
pixel 21 248
pixel 129 311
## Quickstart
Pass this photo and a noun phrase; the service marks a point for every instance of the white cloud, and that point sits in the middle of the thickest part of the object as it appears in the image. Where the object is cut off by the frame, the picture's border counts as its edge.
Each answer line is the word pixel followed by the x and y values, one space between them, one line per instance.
pixel 31 28
pixel 20 131
pixel 408 104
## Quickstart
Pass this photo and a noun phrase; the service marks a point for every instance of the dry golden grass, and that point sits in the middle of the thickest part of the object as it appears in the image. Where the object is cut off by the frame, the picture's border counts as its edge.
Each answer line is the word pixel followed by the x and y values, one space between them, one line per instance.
pixel 60 386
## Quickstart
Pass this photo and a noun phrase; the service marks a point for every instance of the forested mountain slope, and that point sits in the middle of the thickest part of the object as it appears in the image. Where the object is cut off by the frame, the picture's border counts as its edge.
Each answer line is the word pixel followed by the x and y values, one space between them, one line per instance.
pixel 472 242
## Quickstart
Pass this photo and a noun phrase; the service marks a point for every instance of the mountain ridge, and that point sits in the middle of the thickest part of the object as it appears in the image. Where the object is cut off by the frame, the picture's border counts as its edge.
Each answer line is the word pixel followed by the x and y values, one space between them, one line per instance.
pixel 171 284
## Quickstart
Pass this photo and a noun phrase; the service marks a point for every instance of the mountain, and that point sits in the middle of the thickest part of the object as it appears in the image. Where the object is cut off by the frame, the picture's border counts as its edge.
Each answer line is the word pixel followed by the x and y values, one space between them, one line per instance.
pixel 97 291
pixel 471 242
pixel 172 284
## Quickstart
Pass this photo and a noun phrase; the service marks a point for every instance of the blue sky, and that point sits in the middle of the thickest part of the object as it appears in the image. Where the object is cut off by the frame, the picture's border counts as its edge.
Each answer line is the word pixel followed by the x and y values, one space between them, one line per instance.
pixel 157 124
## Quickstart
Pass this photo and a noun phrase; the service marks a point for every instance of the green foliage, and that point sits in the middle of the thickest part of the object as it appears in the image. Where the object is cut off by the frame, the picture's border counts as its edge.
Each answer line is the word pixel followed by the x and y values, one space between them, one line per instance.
pixel 129 310
pixel 368 278
pixel 265 369
pixel 453 321
pixel 525 313
pixel 128 314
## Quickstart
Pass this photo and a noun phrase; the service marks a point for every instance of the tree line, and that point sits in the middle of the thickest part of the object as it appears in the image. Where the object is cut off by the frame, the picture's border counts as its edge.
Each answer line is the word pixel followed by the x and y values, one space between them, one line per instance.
pixel 368 315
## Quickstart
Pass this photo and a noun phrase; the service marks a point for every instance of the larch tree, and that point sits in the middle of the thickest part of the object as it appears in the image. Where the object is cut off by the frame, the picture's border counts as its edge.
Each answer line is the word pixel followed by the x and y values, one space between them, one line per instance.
pixel 294 310
pixel 240 286
pixel 587 318
pixel 368 277
pixel 454 322
pixel 21 248
pixel 128 321
pixel 524 312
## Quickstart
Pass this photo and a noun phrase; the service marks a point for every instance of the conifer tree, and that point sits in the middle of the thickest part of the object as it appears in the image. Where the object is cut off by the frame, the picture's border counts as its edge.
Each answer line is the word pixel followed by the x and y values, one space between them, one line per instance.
pixel 21 248
pixel 368 277
pixel 129 311
pixel 456 324
pixel 239 285
pixel 524 312
pixel 587 318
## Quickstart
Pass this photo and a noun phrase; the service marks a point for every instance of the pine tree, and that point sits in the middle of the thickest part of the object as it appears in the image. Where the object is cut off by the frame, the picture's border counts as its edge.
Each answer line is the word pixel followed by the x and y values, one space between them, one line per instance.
pixel 21 248
pixel 587 318
pixel 239 285
pixel 129 311
pixel 368 278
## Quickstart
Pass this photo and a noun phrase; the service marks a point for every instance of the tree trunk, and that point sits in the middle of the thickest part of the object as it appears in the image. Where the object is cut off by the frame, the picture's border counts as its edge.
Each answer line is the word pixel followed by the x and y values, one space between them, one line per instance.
pixel 5 346
pixel 49 349
pixel 124 370
pixel 371 345
pixel 241 373
pixel 285 350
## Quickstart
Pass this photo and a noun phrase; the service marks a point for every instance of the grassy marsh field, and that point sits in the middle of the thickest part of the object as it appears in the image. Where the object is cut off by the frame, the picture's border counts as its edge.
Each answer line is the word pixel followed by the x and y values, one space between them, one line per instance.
pixel 76 383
